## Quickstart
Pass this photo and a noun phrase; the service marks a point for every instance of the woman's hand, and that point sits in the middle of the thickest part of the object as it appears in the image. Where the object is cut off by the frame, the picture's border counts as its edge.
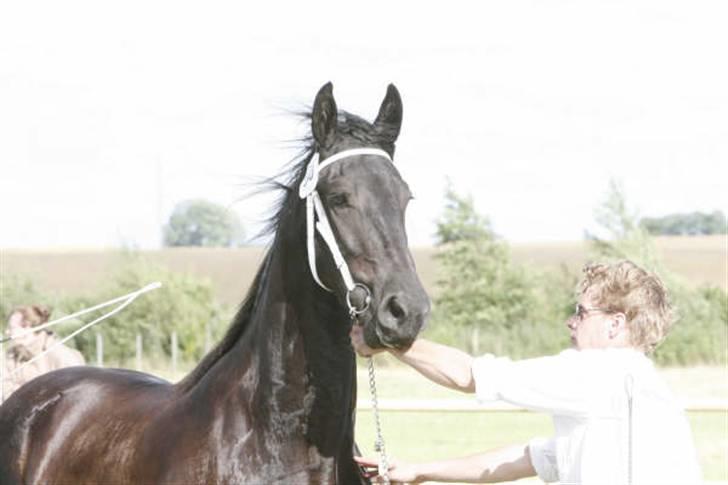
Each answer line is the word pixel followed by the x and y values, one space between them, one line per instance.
pixel 399 472
pixel 356 335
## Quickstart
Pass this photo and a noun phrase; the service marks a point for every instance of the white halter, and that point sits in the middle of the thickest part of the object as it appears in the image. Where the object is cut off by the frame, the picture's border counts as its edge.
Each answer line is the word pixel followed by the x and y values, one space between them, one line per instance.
pixel 314 208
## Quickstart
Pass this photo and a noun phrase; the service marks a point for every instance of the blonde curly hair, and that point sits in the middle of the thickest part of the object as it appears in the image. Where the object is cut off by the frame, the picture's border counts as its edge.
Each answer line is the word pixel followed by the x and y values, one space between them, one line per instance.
pixel 641 296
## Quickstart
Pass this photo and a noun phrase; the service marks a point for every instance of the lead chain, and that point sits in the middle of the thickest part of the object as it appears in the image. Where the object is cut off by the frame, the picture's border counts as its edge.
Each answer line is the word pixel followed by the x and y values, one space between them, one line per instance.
pixel 383 467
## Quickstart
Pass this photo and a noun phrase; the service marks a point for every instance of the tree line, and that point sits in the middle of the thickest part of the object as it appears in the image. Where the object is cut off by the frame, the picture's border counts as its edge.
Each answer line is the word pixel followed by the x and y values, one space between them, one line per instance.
pixel 690 224
pixel 199 222
pixel 486 301
pixel 489 303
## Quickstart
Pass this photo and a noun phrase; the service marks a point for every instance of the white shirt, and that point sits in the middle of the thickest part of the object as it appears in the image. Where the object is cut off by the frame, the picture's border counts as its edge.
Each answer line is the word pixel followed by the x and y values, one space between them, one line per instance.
pixel 596 436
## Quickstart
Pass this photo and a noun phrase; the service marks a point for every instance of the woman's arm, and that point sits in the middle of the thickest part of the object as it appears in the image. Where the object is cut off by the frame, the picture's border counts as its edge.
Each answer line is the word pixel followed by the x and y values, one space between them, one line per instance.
pixel 500 465
pixel 441 364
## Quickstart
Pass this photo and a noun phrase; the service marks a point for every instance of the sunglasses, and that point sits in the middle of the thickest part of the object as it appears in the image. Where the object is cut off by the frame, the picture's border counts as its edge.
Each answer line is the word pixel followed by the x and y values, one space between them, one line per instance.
pixel 581 312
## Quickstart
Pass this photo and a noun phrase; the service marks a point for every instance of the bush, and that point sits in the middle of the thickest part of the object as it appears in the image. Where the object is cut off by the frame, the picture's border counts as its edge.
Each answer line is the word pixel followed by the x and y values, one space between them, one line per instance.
pixel 18 290
pixel 184 304
pixel 700 335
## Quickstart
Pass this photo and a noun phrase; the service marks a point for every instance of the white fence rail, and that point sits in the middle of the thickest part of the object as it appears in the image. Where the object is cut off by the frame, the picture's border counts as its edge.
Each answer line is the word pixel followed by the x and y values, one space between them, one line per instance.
pixel 472 406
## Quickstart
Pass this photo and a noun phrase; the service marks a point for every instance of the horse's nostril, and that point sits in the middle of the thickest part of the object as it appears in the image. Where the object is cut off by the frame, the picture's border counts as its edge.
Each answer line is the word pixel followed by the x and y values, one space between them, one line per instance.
pixel 397 310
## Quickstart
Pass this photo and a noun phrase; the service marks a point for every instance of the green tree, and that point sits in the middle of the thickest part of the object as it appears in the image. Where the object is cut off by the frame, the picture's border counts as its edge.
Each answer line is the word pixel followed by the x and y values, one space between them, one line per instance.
pixel 484 297
pixel 623 237
pixel 479 286
pixel 202 223
pixel 460 221
pixel 692 224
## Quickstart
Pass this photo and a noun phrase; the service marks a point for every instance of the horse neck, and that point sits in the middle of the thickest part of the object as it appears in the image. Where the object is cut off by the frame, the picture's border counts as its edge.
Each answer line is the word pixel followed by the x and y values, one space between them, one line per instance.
pixel 331 366
pixel 294 354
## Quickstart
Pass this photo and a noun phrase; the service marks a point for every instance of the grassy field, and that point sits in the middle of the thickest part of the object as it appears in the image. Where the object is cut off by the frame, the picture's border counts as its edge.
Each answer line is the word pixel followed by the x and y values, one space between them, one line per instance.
pixel 700 260
pixel 431 436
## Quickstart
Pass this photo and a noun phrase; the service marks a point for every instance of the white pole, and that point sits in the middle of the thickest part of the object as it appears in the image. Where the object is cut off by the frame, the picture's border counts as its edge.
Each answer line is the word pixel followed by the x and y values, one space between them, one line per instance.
pixel 139 352
pixel 99 350
pixel 475 342
pixel 208 338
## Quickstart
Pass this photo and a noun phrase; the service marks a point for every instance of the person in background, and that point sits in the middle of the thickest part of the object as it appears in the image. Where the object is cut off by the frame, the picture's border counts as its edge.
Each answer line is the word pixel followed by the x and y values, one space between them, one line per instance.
pixel 615 420
pixel 25 346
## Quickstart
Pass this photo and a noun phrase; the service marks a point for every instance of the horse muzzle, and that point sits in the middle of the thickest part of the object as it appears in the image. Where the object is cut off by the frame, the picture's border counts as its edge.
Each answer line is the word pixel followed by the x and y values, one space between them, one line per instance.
pixel 397 321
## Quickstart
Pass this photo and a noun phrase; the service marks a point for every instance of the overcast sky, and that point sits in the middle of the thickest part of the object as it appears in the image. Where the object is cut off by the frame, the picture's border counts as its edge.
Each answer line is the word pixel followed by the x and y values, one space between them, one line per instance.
pixel 110 113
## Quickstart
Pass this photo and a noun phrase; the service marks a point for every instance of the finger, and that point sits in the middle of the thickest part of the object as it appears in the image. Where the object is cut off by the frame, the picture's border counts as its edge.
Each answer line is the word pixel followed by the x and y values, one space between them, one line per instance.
pixel 366 461
pixel 355 331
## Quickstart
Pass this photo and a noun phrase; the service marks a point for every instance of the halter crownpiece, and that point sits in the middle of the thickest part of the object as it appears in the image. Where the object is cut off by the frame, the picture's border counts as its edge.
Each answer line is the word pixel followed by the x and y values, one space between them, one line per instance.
pixel 315 209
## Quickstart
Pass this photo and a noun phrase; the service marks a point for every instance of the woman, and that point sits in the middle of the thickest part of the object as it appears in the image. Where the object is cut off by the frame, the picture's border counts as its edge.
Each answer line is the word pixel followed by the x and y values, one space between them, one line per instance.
pixel 26 345
pixel 615 420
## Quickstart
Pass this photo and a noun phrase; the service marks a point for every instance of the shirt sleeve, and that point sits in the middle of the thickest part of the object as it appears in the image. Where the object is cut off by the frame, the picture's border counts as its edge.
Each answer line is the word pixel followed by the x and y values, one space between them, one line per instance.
pixel 543 459
pixel 559 384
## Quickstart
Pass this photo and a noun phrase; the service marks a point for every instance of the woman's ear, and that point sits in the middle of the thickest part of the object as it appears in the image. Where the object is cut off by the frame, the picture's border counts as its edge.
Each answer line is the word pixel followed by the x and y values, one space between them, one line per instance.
pixel 617 325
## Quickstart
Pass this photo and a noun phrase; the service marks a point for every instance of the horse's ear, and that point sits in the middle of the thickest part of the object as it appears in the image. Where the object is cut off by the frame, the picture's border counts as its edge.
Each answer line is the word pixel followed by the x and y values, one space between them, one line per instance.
pixel 389 119
pixel 323 119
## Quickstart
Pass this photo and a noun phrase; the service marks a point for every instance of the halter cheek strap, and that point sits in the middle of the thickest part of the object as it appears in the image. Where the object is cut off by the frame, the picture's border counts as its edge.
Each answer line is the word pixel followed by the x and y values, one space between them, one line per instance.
pixel 315 209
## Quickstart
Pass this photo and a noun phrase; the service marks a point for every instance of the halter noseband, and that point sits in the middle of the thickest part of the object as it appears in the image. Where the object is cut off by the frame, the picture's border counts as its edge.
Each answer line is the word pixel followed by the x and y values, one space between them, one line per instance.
pixel 315 209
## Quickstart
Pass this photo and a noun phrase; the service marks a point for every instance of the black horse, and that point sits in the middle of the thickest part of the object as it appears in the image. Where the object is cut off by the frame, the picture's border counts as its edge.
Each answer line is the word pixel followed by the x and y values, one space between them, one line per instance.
pixel 273 401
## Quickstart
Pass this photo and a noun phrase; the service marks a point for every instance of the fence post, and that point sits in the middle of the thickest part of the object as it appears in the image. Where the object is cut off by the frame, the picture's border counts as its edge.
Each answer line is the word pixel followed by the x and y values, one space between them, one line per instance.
pixel 174 354
pixel 99 349
pixel 475 341
pixel 139 352
pixel 208 338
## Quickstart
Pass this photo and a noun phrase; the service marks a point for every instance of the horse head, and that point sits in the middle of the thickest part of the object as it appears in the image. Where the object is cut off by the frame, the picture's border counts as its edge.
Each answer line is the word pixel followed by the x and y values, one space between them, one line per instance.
pixel 363 199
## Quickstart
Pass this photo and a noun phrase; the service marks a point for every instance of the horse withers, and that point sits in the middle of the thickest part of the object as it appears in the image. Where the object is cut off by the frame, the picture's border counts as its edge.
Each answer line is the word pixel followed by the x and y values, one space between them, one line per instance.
pixel 273 402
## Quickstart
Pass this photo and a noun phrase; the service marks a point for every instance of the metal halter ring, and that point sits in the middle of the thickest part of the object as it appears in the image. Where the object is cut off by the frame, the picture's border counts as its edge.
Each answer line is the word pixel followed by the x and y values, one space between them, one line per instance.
pixel 353 311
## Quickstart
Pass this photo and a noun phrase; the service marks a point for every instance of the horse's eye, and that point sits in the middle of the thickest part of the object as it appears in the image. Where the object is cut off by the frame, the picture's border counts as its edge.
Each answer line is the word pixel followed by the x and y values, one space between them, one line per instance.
pixel 338 200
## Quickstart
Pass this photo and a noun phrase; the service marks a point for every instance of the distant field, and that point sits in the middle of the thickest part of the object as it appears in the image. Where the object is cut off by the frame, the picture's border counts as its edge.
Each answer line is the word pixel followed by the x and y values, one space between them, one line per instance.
pixel 700 260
